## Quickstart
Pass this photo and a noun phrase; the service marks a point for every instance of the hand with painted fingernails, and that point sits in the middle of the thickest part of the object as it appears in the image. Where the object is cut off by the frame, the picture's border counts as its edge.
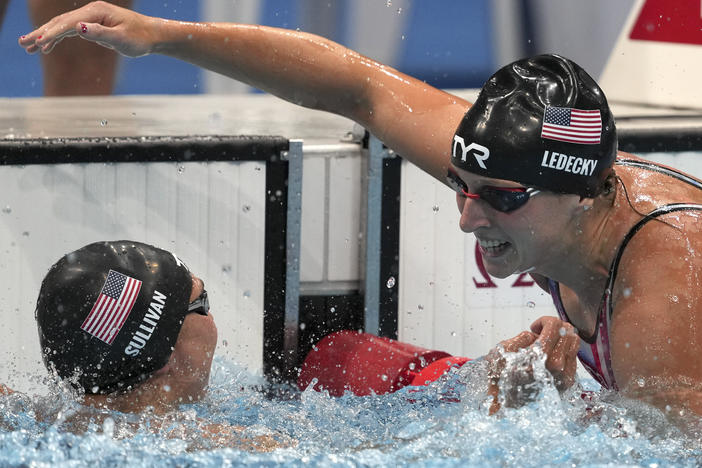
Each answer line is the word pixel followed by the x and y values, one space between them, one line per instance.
pixel 126 31
pixel 559 341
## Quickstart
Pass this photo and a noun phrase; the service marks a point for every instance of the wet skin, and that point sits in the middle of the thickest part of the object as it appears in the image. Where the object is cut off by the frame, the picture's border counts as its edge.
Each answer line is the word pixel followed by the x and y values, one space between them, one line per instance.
pixel 186 375
pixel 654 337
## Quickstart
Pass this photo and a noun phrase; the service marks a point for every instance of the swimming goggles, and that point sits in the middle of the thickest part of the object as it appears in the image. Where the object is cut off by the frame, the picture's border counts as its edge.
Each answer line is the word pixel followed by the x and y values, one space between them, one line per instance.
pixel 201 305
pixel 503 199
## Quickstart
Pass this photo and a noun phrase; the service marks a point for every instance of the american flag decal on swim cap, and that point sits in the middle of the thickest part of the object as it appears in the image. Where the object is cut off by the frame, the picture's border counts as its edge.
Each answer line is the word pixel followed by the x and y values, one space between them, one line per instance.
pixel 572 125
pixel 112 307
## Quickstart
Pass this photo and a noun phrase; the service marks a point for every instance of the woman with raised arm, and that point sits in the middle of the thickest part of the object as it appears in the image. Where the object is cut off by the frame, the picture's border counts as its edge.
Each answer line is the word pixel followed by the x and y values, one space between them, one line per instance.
pixel 615 239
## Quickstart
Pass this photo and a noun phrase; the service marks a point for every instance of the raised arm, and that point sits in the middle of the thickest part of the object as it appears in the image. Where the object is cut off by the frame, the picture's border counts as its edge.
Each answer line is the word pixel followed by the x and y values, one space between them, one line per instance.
pixel 413 118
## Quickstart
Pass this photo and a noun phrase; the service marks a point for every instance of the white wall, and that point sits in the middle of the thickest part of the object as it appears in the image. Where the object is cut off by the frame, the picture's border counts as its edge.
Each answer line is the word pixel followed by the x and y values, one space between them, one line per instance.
pixel 211 215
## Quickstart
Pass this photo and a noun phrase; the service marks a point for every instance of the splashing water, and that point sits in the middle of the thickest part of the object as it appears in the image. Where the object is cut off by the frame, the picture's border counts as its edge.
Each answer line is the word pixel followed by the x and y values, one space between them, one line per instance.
pixel 445 424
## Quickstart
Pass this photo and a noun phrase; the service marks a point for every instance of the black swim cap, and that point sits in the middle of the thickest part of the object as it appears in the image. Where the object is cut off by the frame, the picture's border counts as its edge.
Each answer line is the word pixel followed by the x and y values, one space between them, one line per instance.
pixel 110 313
pixel 542 122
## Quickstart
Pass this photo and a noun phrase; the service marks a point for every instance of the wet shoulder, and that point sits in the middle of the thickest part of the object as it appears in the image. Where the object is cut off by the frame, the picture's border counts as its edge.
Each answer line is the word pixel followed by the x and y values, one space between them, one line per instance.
pixel 650 185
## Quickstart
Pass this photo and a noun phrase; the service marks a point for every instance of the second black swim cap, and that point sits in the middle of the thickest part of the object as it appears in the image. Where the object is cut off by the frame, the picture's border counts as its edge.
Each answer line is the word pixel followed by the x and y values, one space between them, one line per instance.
pixel 109 313
pixel 542 122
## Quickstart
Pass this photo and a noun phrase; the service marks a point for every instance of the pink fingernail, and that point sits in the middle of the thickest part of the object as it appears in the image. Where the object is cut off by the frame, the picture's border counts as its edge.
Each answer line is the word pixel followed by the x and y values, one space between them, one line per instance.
pixel 83 28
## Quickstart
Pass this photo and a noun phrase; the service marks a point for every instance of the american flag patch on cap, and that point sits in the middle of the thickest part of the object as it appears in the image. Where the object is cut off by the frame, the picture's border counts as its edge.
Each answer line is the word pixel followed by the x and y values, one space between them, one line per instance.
pixel 112 307
pixel 572 125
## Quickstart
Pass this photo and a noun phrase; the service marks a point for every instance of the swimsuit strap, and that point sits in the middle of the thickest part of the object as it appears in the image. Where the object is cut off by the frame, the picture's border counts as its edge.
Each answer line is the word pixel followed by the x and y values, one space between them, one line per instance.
pixel 649 166
pixel 673 207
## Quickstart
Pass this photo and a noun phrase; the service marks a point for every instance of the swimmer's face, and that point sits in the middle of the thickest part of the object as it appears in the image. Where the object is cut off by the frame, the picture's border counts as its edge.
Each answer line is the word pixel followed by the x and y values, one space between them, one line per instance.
pixel 196 343
pixel 527 237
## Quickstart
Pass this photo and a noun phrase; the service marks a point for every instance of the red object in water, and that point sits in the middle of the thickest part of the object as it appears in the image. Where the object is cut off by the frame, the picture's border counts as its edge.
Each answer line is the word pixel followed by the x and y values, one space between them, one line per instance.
pixel 363 364
pixel 436 369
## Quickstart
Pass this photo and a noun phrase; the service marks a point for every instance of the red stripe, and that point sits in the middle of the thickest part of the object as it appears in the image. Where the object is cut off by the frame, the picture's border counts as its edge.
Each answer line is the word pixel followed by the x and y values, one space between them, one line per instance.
pixel 119 312
pixel 571 140
pixel 582 124
pixel 106 304
pixel 90 316
pixel 575 128
pixel 106 319
pixel 134 288
pixel 585 133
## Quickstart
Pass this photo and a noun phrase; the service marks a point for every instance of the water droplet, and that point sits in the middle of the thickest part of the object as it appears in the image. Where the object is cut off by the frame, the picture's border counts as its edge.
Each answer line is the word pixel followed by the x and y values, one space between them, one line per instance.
pixel 674 298
pixel 531 304
pixel 25 233
pixel 626 345
pixel 302 325
pixel 399 11
pixel 412 366
pixel 247 294
pixel 7 209
pixel 435 208
pixel 562 331
pixel 108 427
pixel 626 292
pixel 388 3
pixel 420 307
pixel 103 122
pixel 332 309
pixel 166 388
pixel 391 282
pixel 453 333
pixel 246 208
pixel 180 168
pixel 384 378
pixel 640 382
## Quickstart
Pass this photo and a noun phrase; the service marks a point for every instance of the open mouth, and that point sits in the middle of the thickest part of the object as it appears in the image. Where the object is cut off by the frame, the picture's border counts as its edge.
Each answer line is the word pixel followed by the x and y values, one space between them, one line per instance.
pixel 492 248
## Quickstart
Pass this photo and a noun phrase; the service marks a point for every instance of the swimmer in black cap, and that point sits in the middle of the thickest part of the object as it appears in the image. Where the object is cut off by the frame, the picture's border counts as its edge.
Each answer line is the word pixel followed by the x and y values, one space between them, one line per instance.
pixel 615 241
pixel 129 326
pixel 128 320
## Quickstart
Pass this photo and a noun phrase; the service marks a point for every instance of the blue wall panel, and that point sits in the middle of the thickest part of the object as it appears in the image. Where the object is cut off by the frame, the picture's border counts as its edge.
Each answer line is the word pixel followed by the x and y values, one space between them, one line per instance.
pixel 446 43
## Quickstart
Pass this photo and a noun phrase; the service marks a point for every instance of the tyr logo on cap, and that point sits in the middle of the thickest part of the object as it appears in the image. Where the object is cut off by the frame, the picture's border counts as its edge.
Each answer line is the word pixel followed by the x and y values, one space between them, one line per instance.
pixel 480 152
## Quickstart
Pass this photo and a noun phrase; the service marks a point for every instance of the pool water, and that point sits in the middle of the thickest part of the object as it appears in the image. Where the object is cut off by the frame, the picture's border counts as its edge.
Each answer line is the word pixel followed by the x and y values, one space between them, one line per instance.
pixel 444 424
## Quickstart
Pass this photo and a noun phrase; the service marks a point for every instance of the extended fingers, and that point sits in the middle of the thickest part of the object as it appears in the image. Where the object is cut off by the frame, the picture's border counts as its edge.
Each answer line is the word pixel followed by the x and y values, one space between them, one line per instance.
pixel 46 37
pixel 71 23
pixel 523 340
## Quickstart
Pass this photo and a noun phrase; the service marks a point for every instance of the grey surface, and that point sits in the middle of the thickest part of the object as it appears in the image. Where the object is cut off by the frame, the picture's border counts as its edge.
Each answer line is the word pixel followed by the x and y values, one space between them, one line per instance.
pixel 226 115
pixel 166 115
